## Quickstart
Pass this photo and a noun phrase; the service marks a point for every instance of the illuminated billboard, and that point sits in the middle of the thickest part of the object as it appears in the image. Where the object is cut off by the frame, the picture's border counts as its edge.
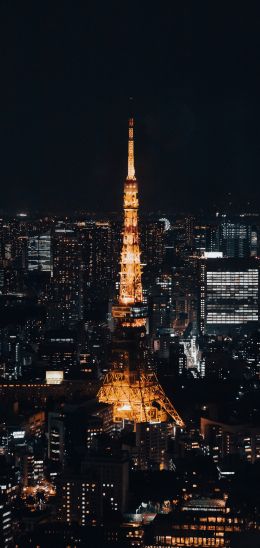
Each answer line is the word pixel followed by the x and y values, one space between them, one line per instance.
pixel 54 377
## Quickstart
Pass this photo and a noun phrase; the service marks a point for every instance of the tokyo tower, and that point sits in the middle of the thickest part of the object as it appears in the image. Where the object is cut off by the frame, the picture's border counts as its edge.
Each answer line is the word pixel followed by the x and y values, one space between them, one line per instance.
pixel 130 386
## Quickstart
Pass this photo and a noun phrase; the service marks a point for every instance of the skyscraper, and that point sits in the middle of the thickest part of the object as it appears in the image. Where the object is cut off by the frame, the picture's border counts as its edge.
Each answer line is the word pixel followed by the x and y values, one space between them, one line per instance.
pixel 229 294
pixel 237 239
pixel 152 242
pixel 100 487
pixel 66 307
pixel 39 256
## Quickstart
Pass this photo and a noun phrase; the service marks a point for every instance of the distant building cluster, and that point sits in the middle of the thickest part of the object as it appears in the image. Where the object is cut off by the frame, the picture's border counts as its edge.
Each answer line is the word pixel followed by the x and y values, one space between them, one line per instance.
pixel 61 450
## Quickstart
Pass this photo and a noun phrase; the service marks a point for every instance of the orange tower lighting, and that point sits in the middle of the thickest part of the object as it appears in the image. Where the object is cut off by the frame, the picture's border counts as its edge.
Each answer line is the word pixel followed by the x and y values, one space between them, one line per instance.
pixel 131 292
pixel 130 275
pixel 130 387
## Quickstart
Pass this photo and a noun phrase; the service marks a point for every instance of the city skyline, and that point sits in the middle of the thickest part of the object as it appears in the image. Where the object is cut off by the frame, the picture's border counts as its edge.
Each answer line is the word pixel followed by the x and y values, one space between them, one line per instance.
pixel 129 276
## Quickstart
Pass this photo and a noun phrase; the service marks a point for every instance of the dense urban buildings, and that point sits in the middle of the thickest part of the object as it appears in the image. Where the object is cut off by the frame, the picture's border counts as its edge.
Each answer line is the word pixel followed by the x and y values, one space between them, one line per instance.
pixel 129 275
pixel 129 378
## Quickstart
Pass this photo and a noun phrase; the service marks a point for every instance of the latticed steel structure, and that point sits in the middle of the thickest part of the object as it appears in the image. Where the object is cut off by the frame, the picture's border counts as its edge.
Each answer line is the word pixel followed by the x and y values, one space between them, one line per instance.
pixel 130 386
pixel 130 273
pixel 138 397
pixel 129 307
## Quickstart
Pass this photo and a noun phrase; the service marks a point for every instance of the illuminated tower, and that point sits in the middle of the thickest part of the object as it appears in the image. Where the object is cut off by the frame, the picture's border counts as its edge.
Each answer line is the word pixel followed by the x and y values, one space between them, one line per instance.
pixel 130 386
pixel 130 309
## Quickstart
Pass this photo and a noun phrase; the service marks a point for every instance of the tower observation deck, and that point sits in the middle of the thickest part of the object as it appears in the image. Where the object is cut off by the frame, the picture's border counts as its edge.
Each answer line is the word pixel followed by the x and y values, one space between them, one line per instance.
pixel 131 387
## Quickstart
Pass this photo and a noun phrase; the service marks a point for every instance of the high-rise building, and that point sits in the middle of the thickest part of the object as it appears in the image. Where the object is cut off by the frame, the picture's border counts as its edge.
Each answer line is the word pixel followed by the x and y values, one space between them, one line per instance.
pixel 224 439
pixel 160 304
pixel 205 238
pixel 177 358
pixel 237 239
pixel 79 499
pixel 152 444
pixel 100 488
pixel 39 255
pixel 56 437
pixel 183 298
pixel 189 230
pixel 59 351
pixel 229 294
pixel 6 526
pixel 28 469
pixel 111 468
pixel 152 242
pixel 66 307
pixel 103 254
pixel 100 246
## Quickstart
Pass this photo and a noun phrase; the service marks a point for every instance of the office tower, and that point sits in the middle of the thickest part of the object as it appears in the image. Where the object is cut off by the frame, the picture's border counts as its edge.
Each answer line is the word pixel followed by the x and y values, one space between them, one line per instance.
pixel 160 311
pixel 99 489
pixel 59 351
pixel 152 242
pixel 13 253
pixel 231 438
pixel 229 295
pixel 237 239
pixel 152 444
pixel 99 250
pixel 6 526
pixel 130 386
pixel 111 468
pixel 104 261
pixel 160 304
pixel 28 469
pixel 183 297
pixel 38 468
pixel 205 238
pixel 93 428
pixel 66 307
pixel 56 438
pixel 78 499
pixel 13 237
pixel 71 427
pixel 189 230
pixel 177 358
pixel 39 255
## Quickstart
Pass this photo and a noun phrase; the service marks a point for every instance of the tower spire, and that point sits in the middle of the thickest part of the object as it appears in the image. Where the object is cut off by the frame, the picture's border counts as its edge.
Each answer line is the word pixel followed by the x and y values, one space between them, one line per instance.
pixel 131 159
pixel 130 272
pixel 130 387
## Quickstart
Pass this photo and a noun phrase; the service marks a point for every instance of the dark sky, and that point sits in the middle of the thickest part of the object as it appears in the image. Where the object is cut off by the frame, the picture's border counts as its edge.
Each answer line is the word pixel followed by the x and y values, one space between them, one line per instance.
pixel 67 70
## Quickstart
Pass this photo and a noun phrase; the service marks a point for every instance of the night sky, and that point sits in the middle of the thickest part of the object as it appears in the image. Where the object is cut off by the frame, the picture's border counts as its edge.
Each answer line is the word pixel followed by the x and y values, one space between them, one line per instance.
pixel 67 72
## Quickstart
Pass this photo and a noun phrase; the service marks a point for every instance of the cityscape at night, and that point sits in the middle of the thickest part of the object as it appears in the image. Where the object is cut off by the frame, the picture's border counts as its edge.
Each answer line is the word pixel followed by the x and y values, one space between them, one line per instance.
pixel 129 276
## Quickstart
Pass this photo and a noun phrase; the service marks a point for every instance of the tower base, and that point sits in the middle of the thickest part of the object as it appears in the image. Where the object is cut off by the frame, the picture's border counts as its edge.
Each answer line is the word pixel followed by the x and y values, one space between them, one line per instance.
pixel 138 397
